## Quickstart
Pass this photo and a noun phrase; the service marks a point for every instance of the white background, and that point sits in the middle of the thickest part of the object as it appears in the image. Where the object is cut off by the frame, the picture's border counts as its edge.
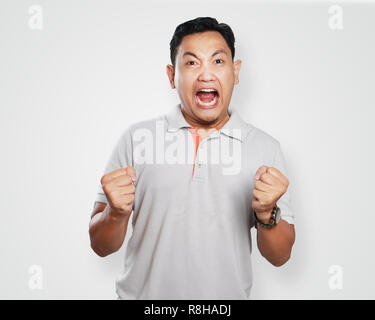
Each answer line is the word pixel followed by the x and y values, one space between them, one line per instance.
pixel 67 92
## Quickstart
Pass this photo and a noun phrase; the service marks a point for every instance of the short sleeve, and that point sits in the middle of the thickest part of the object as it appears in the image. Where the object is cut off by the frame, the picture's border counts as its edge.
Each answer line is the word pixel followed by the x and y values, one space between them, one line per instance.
pixel 120 157
pixel 285 202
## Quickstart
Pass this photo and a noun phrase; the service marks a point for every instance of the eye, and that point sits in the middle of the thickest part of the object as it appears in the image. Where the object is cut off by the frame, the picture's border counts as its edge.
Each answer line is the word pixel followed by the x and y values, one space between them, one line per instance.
pixel 219 60
pixel 190 63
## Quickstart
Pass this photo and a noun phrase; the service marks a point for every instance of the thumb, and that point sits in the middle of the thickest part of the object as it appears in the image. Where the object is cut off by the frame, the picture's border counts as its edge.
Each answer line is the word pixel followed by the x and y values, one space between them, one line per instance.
pixel 131 172
pixel 260 171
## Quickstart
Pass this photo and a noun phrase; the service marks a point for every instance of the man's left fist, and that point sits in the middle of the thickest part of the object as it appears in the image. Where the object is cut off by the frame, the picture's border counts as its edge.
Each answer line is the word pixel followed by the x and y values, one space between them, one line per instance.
pixel 270 184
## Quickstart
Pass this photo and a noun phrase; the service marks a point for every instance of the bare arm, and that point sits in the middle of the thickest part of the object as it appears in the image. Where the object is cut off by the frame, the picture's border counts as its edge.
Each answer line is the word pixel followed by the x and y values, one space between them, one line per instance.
pixel 107 231
pixel 276 244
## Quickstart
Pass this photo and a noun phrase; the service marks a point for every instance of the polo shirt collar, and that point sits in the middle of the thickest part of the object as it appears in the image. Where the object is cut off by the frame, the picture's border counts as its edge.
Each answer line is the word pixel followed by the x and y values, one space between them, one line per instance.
pixel 234 126
pixel 176 121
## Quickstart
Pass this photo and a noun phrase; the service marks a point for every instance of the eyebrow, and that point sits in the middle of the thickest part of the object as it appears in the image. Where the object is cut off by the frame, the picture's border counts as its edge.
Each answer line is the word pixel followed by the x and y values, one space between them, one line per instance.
pixel 188 53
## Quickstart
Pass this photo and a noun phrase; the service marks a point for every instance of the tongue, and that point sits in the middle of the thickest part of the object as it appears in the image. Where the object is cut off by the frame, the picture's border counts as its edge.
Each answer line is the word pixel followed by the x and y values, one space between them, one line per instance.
pixel 206 96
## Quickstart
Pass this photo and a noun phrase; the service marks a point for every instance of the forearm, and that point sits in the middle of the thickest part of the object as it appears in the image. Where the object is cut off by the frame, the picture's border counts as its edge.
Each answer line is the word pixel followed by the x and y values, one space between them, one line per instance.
pixel 107 232
pixel 276 244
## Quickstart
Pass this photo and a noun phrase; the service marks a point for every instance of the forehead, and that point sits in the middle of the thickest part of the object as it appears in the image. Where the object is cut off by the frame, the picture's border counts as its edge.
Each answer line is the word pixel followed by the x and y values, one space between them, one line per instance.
pixel 203 43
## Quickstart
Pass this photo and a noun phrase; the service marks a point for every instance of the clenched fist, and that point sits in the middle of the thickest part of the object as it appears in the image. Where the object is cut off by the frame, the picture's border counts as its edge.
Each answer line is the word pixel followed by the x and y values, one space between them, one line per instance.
pixel 119 188
pixel 270 184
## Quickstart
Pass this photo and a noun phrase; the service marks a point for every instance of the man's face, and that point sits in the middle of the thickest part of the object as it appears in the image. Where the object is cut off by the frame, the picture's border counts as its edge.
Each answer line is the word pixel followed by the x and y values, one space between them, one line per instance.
pixel 204 76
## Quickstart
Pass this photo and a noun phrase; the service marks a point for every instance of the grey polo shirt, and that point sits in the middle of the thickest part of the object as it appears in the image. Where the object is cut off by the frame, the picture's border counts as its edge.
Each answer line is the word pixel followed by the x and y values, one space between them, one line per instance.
pixel 192 210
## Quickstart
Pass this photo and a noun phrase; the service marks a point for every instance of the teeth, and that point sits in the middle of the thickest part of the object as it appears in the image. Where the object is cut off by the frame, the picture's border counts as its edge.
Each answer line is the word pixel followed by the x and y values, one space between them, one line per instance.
pixel 207 104
pixel 207 90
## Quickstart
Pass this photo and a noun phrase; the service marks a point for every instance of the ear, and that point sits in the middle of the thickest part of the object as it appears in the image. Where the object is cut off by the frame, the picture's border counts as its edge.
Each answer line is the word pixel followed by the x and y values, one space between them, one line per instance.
pixel 170 74
pixel 237 67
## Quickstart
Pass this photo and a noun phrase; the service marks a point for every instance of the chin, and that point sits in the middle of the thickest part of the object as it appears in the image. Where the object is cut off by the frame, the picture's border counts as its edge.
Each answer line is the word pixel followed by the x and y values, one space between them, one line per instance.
pixel 207 115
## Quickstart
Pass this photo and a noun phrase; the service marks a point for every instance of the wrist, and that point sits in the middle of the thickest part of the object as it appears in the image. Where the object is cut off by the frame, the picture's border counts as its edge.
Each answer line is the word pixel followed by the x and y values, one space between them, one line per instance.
pixel 114 215
pixel 264 217
pixel 268 220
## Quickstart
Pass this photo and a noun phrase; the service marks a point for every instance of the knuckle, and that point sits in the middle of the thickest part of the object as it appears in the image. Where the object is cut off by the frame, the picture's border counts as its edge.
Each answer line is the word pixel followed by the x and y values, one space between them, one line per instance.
pixel 103 179
pixel 283 187
pixel 132 188
pixel 105 188
pixel 127 180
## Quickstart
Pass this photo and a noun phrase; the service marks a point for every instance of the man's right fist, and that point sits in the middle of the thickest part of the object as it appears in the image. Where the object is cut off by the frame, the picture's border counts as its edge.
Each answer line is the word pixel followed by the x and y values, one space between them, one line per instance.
pixel 119 189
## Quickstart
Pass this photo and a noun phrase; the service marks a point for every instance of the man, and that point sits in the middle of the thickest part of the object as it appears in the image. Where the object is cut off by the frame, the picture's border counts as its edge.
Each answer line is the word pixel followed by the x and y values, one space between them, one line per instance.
pixel 192 219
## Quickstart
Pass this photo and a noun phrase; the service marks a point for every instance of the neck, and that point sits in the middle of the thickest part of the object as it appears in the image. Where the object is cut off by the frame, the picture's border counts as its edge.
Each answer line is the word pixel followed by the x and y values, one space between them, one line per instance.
pixel 218 124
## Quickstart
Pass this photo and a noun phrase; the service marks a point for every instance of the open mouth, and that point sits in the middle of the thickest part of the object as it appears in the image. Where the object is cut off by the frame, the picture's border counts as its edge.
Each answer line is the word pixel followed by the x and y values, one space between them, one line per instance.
pixel 207 98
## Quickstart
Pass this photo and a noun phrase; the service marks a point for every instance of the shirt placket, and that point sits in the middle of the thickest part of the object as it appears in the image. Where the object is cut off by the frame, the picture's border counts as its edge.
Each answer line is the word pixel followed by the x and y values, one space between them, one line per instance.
pixel 199 172
pixel 196 140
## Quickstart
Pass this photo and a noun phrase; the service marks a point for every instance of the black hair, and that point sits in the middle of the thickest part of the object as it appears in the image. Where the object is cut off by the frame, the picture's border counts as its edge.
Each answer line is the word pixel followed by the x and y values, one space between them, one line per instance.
pixel 201 24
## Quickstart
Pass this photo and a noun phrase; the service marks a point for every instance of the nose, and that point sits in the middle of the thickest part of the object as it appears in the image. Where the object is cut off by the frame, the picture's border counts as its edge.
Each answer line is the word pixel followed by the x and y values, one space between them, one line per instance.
pixel 206 75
